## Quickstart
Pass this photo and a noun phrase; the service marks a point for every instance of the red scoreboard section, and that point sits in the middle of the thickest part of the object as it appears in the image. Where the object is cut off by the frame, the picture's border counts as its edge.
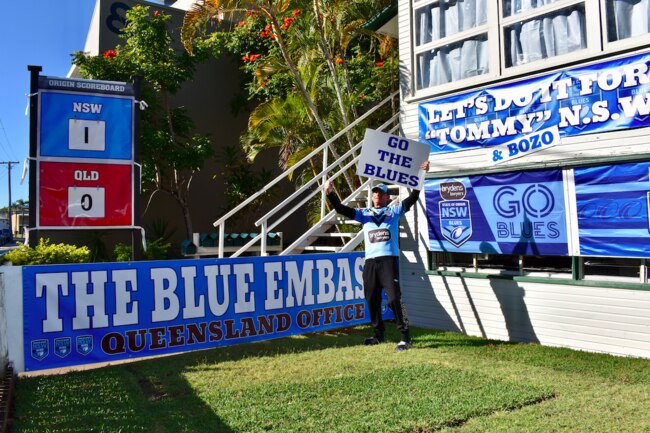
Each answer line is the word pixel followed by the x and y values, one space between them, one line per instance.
pixel 85 194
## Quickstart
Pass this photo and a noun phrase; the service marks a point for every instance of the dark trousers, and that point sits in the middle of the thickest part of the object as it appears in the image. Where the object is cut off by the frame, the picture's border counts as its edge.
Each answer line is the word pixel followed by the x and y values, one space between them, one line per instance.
pixel 378 273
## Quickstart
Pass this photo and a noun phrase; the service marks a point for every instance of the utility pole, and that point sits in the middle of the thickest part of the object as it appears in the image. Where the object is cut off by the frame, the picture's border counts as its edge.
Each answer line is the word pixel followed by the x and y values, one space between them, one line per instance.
pixel 9 163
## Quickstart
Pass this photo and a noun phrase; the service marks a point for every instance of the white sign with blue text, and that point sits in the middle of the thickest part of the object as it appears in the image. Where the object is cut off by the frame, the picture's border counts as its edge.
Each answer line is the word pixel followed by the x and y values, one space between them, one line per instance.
pixel 392 159
pixel 524 145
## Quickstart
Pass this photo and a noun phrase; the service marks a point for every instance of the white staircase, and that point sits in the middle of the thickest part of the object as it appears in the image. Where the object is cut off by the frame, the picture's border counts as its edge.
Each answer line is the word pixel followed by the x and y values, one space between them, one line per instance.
pixel 333 232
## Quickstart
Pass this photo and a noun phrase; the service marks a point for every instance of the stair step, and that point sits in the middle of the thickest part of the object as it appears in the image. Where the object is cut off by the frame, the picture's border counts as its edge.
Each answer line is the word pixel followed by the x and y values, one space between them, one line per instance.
pixel 333 235
pixel 320 248
pixel 338 221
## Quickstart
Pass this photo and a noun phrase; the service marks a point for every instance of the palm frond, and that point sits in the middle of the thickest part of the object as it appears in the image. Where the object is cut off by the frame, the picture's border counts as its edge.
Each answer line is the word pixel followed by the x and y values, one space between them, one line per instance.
pixel 201 13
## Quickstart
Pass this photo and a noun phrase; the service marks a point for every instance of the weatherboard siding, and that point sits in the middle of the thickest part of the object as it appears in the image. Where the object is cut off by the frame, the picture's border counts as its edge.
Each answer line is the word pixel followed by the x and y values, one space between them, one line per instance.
pixel 594 319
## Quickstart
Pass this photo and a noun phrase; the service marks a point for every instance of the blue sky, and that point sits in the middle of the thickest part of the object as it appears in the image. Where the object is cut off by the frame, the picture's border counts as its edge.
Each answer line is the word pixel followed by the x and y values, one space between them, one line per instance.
pixel 32 32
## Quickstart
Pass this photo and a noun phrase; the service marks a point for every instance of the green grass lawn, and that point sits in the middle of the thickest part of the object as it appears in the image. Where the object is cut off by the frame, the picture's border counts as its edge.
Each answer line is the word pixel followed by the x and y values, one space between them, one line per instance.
pixel 331 383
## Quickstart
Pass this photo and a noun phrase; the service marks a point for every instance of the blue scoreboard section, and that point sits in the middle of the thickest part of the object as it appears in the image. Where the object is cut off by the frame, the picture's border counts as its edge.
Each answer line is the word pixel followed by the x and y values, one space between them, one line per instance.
pixel 85 119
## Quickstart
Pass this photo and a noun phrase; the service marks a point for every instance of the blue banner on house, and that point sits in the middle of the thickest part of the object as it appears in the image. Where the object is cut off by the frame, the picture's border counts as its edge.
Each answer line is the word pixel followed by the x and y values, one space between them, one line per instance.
pixel 613 206
pixel 512 213
pixel 81 314
pixel 605 96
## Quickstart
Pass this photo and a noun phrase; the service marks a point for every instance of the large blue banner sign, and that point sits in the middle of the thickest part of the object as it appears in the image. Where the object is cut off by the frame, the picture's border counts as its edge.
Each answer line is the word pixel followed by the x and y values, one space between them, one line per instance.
pixel 511 213
pixel 525 116
pixel 613 205
pixel 80 314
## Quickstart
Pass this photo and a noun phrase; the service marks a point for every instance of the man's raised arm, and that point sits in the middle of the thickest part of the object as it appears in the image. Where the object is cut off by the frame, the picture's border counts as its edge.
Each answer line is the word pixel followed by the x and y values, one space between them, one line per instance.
pixel 344 210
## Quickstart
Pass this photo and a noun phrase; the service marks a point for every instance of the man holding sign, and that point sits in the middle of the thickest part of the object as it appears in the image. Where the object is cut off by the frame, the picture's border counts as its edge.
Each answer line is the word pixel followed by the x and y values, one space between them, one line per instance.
pixel 381 267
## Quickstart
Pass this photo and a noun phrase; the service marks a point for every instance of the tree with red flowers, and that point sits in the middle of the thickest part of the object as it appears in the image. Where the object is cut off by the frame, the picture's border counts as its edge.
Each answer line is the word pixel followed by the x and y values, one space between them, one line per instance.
pixel 310 67
pixel 170 151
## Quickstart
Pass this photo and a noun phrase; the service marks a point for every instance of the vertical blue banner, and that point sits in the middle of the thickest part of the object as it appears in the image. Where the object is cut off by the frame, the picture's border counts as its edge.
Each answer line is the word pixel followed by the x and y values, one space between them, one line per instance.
pixel 512 213
pixel 613 205
pixel 81 314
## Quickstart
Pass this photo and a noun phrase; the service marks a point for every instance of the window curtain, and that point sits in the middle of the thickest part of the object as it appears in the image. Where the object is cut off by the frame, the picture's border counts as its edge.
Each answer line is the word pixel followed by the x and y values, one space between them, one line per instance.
pixel 512 7
pixel 447 18
pixel 451 63
pixel 547 36
pixel 628 18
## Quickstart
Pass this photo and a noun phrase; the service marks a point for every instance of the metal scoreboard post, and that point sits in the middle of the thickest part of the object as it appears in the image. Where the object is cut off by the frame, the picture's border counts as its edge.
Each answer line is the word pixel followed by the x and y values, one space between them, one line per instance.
pixel 84 156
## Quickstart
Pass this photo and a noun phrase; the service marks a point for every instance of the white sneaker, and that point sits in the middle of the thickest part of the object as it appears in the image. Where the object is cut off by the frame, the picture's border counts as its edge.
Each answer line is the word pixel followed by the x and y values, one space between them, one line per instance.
pixel 403 345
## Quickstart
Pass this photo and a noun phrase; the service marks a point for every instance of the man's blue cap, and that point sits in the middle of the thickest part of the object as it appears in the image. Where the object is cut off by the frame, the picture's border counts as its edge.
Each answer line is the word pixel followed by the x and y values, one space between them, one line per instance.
pixel 381 187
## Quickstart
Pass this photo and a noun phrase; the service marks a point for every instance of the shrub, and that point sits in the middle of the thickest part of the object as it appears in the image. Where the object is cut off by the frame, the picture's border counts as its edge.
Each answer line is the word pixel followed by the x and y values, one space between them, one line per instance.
pixel 156 250
pixel 46 253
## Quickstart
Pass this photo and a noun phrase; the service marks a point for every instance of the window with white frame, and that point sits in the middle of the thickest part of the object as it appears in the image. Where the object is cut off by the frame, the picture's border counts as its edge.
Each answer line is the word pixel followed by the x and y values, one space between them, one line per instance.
pixel 543 36
pixel 451 41
pixel 455 40
pixel 627 19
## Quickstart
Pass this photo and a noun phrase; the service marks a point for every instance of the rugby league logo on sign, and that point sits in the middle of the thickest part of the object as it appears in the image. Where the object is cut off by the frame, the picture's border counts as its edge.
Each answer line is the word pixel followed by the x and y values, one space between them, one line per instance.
pixel 455 214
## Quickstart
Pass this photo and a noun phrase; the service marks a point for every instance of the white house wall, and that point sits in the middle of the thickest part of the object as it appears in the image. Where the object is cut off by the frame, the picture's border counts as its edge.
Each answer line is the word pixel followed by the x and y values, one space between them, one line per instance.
pixel 611 320
pixel 593 319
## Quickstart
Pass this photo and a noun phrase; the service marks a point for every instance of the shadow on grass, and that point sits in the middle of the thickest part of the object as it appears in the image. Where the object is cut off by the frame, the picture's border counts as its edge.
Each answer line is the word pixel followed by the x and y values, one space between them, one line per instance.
pixel 155 395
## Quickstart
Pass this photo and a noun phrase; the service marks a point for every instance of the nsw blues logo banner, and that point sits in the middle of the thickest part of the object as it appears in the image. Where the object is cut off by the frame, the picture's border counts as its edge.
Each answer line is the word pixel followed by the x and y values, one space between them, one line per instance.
pixel 80 314
pixel 511 213
pixel 613 207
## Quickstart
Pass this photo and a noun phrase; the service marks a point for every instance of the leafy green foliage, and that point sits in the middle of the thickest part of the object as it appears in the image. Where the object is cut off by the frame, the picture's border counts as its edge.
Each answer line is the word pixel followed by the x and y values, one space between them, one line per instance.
pixel 159 228
pixel 242 181
pixel 156 250
pixel 46 253
pixel 170 149
pixel 123 253
pixel 309 69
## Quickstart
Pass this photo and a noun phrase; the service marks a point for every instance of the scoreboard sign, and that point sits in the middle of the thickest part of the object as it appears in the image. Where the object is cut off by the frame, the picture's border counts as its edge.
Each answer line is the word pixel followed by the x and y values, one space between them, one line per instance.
pixel 85 154
pixel 85 194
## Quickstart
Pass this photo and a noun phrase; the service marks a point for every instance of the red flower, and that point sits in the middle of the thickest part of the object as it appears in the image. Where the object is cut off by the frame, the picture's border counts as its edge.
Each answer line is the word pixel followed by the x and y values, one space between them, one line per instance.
pixel 339 61
pixel 110 54
pixel 287 22
pixel 245 58
pixel 254 57
pixel 241 23
pixel 156 13
pixel 272 37
pixel 296 12
pixel 267 27
pixel 379 64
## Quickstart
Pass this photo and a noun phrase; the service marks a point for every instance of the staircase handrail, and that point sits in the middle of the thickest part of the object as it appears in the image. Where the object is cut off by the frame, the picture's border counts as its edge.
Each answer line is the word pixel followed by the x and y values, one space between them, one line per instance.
pixel 267 216
pixel 327 168
pixel 327 217
pixel 287 172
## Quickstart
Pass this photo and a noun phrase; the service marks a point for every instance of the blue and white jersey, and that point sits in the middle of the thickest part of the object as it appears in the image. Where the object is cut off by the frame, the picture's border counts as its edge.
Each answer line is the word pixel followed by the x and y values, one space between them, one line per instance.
pixel 380 229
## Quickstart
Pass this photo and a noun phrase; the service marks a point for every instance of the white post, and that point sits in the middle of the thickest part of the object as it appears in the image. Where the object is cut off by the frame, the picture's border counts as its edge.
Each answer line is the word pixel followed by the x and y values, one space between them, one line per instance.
pixel 222 234
pixel 263 240
pixel 322 190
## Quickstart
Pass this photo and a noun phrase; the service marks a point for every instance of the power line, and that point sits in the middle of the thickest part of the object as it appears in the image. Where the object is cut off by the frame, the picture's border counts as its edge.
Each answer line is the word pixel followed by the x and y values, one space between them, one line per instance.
pixel 4 131
pixel 9 163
